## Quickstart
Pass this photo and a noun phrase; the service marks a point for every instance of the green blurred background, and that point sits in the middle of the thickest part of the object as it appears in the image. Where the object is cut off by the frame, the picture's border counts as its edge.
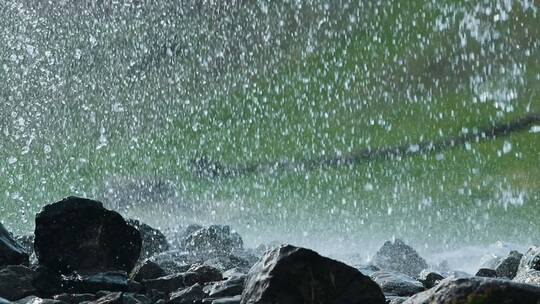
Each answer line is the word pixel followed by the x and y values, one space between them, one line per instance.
pixel 114 101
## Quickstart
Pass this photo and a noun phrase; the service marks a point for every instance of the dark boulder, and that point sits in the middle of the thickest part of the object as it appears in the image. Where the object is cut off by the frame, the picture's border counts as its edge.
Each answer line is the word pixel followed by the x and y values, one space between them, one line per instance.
pixel 165 284
pixel 290 274
pixel 190 295
pixel 430 278
pixel 16 282
pixel 213 240
pixel 507 267
pixel 11 252
pixel 153 241
pixel 478 290
pixel 147 270
pixel 173 261
pixel 400 257
pixel 486 273
pixel 397 284
pixel 78 234
pixel 203 274
pixel 91 283
pixel 75 298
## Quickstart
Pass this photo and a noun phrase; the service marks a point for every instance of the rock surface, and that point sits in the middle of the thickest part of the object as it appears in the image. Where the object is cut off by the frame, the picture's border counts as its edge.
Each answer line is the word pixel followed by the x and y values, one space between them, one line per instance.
pixel 397 284
pixel 486 273
pixel 430 278
pixel 193 294
pixel 400 257
pixel 529 267
pixel 290 274
pixel 507 267
pixel 78 234
pixel 153 240
pixel 213 240
pixel 16 282
pixel 477 290
pixel 147 270
pixel 11 252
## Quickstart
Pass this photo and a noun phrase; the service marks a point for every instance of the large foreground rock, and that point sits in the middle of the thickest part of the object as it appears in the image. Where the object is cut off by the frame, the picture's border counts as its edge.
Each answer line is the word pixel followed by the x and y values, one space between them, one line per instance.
pixel 477 290
pixel 292 275
pixel 400 257
pixel 16 282
pixel 78 234
pixel 11 252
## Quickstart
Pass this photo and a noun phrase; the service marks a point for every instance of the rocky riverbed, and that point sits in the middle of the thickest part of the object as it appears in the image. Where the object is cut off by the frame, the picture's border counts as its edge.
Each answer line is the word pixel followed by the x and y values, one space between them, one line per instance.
pixel 81 252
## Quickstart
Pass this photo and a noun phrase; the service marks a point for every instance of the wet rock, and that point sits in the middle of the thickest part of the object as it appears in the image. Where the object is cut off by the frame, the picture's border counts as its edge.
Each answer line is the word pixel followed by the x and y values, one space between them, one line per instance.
pixel 229 300
pixel 400 257
pixel 147 270
pixel 173 261
pixel 531 259
pixel 397 284
pixel 11 252
pixel 430 278
pixel 193 294
pixel 27 242
pixel 508 266
pixel 229 288
pixel 203 274
pixel 395 300
pixel 529 267
pixel 78 234
pixel 368 269
pixel 16 282
pixel 213 240
pixel 37 300
pixel 478 290
pixel 92 283
pixel 134 298
pixel 229 261
pixel 74 298
pixel 166 284
pixel 486 273
pixel 529 276
pixel 290 274
pixel 153 241
pixel 109 298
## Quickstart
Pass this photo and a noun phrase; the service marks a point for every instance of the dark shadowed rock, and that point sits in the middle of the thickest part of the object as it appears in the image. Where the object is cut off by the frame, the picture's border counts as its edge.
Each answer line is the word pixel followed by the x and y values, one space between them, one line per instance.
pixel 134 298
pixel 75 298
pixel 213 240
pixel 294 275
pixel 193 294
pixel 205 274
pixel 507 267
pixel 400 257
pixel 486 273
pixel 109 298
pixel 27 242
pixel 11 252
pixel 92 283
pixel 78 234
pixel 397 284
pixel 166 284
pixel 153 241
pixel 430 278
pixel 478 290
pixel 231 287
pixel 16 282
pixel 147 270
